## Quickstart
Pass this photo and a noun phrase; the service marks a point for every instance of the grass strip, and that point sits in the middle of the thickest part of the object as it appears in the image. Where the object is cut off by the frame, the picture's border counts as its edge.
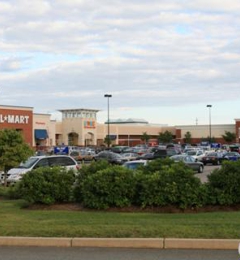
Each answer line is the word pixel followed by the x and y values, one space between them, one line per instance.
pixel 16 221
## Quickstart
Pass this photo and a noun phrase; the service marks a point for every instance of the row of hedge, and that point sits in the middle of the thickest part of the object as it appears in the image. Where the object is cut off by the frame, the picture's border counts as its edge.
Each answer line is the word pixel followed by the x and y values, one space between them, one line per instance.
pixel 160 183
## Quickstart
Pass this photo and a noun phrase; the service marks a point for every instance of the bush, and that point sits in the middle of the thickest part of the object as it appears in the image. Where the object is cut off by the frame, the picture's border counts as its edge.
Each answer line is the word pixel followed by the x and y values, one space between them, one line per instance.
pixel 104 188
pixel 168 184
pixel 9 192
pixel 157 165
pixel 84 172
pixel 224 184
pixel 47 185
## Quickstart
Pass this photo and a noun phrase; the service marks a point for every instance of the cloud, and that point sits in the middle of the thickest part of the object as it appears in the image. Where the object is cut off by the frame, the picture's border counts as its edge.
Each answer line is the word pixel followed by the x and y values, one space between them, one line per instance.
pixel 68 54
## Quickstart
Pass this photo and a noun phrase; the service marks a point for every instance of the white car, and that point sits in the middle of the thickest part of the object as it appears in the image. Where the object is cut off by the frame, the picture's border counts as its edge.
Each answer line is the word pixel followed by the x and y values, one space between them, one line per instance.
pixel 34 162
pixel 196 154
pixel 1 177
pixel 129 156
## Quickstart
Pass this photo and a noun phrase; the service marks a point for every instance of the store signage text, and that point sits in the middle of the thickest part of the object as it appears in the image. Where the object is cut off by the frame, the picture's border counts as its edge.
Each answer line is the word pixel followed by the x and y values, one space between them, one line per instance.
pixel 14 119
pixel 89 124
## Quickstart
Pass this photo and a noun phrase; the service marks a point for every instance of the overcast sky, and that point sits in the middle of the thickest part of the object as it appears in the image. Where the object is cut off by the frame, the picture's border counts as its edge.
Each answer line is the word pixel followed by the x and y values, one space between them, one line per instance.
pixel 161 60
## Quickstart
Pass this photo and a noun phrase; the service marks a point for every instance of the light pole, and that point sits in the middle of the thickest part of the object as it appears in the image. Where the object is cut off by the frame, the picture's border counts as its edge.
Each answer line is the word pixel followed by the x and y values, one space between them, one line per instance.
pixel 210 130
pixel 108 139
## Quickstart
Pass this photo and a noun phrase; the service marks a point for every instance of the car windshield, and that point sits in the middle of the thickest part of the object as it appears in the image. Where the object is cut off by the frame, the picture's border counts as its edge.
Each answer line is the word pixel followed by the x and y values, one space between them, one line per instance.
pixel 231 154
pixel 212 154
pixel 171 152
pixel 29 163
pixel 192 152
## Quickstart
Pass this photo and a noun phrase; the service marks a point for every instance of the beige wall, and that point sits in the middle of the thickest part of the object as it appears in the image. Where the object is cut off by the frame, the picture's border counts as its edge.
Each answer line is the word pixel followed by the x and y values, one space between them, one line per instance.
pixel 77 125
pixel 43 121
pixel 130 129
pixel 199 131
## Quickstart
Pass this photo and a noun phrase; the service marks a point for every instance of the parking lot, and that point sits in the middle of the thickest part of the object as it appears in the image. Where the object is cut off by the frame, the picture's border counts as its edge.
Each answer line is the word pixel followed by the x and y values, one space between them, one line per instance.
pixel 207 170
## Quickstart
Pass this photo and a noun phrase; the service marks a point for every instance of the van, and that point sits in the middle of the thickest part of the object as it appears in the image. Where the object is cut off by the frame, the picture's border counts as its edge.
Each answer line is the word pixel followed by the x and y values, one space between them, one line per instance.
pixel 34 162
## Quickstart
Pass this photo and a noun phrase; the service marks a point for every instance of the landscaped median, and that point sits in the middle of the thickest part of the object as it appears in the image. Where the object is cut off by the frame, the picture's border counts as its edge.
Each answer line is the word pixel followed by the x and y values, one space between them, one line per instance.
pixel 156 243
pixel 165 206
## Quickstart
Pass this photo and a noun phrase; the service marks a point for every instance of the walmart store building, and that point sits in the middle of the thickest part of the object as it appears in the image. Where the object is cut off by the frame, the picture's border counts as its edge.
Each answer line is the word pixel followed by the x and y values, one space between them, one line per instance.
pixel 80 127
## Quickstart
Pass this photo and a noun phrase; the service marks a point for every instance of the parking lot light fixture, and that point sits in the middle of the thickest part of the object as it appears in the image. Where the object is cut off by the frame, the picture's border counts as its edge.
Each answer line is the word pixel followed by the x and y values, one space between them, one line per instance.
pixel 210 130
pixel 108 139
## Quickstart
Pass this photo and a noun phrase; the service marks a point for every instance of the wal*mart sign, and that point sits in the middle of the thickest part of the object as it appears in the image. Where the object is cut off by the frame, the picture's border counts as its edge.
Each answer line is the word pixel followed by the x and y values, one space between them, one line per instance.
pixel 14 119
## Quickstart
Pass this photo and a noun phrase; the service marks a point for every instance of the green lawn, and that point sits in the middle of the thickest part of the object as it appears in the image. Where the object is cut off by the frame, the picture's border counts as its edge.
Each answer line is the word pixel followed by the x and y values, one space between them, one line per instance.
pixel 16 221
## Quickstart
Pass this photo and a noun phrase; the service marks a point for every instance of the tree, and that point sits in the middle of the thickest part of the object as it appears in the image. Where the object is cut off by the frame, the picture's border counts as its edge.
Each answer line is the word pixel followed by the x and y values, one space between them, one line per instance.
pixel 145 137
pixel 107 140
pixel 13 149
pixel 188 137
pixel 165 137
pixel 229 137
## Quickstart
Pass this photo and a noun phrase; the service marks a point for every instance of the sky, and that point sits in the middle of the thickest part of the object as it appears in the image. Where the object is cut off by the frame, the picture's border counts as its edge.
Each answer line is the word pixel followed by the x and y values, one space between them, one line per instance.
pixel 161 60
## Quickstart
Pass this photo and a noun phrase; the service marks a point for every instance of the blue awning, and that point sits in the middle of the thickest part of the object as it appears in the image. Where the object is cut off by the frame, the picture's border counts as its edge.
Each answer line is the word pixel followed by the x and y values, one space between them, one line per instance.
pixel 41 134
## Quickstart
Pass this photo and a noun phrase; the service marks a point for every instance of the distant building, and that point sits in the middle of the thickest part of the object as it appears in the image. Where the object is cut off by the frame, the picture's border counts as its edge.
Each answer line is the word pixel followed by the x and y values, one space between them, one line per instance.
pixel 79 127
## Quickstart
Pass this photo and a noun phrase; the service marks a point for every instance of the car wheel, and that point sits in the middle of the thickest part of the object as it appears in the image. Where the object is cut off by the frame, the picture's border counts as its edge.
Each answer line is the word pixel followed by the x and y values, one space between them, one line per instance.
pixel 200 169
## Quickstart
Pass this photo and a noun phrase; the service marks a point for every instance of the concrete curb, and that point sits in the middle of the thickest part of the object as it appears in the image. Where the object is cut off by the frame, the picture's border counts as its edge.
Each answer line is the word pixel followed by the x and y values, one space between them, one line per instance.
pixel 157 243
pixel 201 243
pixel 35 241
pixel 119 242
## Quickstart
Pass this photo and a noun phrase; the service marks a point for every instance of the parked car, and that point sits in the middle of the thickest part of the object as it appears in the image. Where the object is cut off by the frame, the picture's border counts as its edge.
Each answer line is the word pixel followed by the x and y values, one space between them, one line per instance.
pixel 139 150
pixel 234 148
pixel 129 156
pixel 109 156
pixel 82 155
pixel 231 156
pixel 133 165
pixel 196 154
pixel 163 153
pixel 146 156
pixel 119 148
pixel 1 177
pixel 214 158
pixel 34 162
pixel 189 161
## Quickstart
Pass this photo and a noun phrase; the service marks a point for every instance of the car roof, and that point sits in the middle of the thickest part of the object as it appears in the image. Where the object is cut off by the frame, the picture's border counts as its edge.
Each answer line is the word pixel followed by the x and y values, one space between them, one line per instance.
pixel 136 161
pixel 49 156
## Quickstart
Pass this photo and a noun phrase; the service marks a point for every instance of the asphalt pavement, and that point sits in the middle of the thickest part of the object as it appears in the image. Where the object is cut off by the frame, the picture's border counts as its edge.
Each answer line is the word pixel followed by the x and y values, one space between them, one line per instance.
pixel 50 253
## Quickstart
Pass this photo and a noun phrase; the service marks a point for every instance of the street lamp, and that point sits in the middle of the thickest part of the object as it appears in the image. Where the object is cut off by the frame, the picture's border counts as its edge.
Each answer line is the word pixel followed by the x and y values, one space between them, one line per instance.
pixel 108 139
pixel 210 130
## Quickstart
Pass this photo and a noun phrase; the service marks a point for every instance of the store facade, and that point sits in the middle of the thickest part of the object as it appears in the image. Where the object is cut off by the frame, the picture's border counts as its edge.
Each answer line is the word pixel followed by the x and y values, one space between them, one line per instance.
pixel 18 118
pixel 79 127
pixel 38 130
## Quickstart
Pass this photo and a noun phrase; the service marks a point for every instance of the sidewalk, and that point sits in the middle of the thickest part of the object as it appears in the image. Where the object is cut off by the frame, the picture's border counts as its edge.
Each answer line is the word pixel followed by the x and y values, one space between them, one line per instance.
pixel 160 243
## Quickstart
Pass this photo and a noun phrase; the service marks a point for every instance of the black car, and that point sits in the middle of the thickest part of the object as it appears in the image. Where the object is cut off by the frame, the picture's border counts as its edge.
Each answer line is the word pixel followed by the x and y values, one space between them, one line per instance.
pixel 164 153
pixel 212 158
pixel 146 156
pixel 109 156
pixel 189 161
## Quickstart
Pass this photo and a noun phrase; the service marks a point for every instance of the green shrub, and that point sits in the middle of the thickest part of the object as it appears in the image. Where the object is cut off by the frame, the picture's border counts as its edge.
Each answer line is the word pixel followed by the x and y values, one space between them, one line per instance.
pixel 84 172
pixel 9 192
pixel 224 184
pixel 157 165
pixel 170 184
pixel 47 185
pixel 113 186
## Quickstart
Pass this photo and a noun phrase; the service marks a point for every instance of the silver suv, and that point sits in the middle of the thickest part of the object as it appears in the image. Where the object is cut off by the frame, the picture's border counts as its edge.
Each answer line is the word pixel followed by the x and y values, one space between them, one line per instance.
pixel 15 174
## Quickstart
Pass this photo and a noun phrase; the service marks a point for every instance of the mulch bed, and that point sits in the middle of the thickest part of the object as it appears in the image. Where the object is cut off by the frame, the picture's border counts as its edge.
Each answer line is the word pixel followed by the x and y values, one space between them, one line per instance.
pixel 166 209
